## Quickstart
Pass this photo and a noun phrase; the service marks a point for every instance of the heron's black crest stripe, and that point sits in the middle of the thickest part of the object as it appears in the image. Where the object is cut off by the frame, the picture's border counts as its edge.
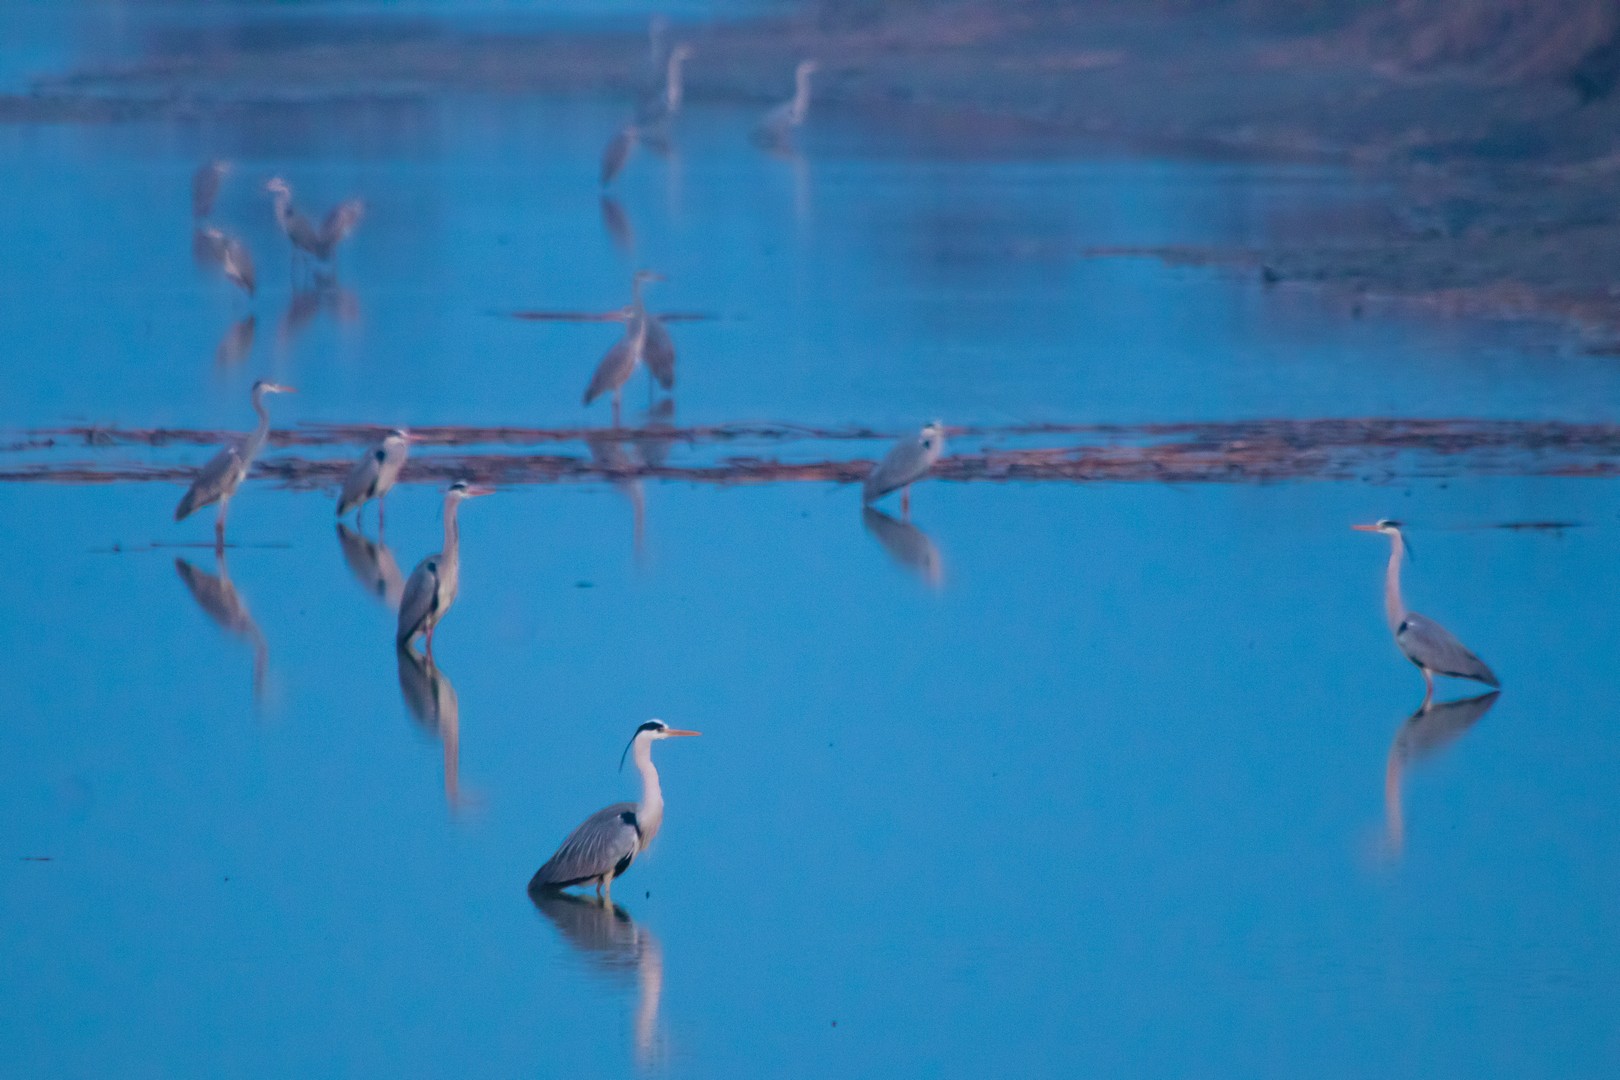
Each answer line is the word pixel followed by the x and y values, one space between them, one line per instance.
pixel 651 725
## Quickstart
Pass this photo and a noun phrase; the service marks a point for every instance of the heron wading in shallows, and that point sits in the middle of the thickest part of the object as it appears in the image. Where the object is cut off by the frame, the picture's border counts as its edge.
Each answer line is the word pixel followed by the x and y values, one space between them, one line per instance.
pixel 218 480
pixel 375 474
pixel 1433 648
pixel 432 586
pixel 778 124
pixel 909 461
pixel 232 256
pixel 205 185
pixel 607 842
pixel 320 243
pixel 620 362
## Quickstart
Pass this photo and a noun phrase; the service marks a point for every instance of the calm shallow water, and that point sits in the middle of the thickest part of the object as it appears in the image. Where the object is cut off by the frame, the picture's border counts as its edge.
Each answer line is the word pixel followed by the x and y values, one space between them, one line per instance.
pixel 1112 798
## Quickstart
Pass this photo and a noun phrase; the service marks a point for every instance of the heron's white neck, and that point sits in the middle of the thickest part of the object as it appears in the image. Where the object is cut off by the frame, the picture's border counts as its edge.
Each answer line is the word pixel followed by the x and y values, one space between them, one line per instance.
pixel 650 811
pixel 452 529
pixel 1394 607
pixel 262 432
pixel 283 205
pixel 672 83
pixel 801 95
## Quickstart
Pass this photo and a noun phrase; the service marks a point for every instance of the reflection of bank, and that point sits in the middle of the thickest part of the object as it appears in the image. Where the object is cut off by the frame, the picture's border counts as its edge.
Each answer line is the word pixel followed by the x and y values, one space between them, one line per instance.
pixel 613 944
pixel 431 699
pixel 373 566
pixel 1426 732
pixel 907 545
pixel 219 600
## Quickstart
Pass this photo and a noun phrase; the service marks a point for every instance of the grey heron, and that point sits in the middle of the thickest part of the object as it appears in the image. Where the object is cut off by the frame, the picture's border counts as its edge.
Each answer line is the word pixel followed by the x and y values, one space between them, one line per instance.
pixel 218 480
pixel 1430 646
pixel 431 699
pixel 777 125
pixel 433 585
pixel 205 184
pixel 217 596
pixel 906 544
pixel 607 842
pixel 617 152
pixel 909 461
pixel 620 361
pixel 375 474
pixel 232 257
pixel 659 348
pixel 373 565
pixel 659 108
pixel 321 243
pixel 1428 731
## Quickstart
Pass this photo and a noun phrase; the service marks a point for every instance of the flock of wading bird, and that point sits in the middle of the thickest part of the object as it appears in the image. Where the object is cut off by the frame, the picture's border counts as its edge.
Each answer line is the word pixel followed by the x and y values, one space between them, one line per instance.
pixel 603 846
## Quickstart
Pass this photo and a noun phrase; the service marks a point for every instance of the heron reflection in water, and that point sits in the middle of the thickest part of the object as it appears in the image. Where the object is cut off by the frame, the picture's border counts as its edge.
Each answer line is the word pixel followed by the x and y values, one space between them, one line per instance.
pixel 217 596
pixel 305 304
pixel 617 224
pixel 1430 646
pixel 373 566
pixel 906 544
pixel 608 453
pixel 237 342
pixel 1426 732
pixel 605 935
pixel 431 699
pixel 205 185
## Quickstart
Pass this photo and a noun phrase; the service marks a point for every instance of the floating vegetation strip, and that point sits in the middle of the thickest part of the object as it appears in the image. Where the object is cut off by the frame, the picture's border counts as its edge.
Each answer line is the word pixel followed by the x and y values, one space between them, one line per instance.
pixel 1232 452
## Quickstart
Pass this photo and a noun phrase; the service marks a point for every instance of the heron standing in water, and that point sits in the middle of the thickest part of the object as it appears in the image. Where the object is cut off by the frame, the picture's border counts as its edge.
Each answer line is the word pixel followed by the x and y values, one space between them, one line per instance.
pixel 205 185
pixel 657 110
pixel 320 243
pixel 1433 648
pixel 232 256
pixel 777 126
pixel 620 362
pixel 909 461
pixel 375 474
pixel 617 152
pixel 433 585
pixel 659 349
pixel 218 480
pixel 607 842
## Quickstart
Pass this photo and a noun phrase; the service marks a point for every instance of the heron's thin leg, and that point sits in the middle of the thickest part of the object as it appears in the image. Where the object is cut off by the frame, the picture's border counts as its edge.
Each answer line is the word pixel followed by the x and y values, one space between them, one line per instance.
pixel 382 518
pixel 219 525
pixel 1428 687
pixel 429 640
pixel 616 395
pixel 607 890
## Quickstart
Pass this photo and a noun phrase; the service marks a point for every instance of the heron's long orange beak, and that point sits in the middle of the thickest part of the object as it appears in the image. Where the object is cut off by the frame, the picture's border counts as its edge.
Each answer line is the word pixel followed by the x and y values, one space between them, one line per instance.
pixel 672 732
pixel 1365 528
pixel 474 492
pixel 284 389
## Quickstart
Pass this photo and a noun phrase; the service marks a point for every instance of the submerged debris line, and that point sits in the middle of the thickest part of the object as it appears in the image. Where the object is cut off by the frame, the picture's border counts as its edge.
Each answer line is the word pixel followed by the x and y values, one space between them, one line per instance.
pixel 1193 452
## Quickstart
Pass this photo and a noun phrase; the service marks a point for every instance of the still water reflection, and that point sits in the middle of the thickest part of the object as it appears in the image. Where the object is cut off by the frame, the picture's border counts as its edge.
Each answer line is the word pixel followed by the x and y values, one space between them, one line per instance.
pixel 217 596
pixel 612 944
pixel 907 544
pixel 1425 733
pixel 431 699
pixel 373 565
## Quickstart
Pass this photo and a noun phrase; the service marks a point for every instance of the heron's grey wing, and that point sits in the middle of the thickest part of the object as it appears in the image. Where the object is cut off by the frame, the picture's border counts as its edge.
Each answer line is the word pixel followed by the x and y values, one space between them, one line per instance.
pixel 420 598
pixel 343 220
pixel 361 482
pixel 605 843
pixel 617 153
pixel 615 368
pixel 217 478
pixel 660 352
pixel 239 265
pixel 1430 645
pixel 907 461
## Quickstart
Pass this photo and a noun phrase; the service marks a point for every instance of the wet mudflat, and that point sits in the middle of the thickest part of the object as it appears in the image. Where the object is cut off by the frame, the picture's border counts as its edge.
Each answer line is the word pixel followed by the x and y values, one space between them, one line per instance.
pixel 1028 784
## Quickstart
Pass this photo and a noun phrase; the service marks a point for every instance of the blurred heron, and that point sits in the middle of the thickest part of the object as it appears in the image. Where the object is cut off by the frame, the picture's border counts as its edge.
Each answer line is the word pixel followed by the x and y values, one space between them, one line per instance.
pixel 659 348
pixel 217 596
pixel 231 256
pixel 431 699
pixel 607 842
pixel 909 461
pixel 778 124
pixel 237 342
pixel 375 474
pixel 906 544
pixel 1428 731
pixel 619 363
pixel 1433 648
pixel 218 480
pixel 658 109
pixel 205 185
pixel 319 243
pixel 434 583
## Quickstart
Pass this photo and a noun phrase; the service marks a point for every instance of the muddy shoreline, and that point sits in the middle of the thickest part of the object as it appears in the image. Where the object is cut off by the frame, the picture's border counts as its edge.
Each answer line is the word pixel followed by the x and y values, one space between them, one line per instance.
pixel 1502 191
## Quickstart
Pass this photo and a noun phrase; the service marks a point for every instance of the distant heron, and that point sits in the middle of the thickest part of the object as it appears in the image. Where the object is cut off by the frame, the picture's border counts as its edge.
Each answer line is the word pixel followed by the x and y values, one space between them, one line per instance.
pixel 617 152
pixel 434 583
pixel 778 124
pixel 320 243
pixel 608 841
pixel 619 362
pixel 909 461
pixel 232 256
pixel 375 474
pixel 205 185
pixel 659 108
pixel 218 480
pixel 1425 642
pixel 237 342
pixel 659 349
